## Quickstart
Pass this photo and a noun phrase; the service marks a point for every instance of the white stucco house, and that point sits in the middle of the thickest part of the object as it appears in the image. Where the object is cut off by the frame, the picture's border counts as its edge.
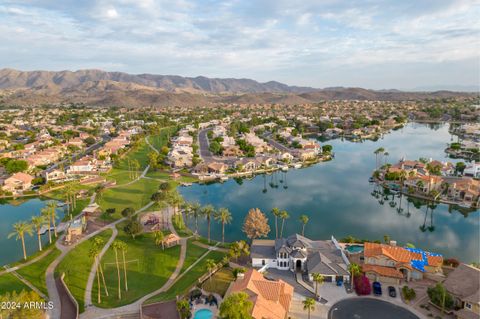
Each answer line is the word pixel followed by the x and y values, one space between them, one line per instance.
pixel 300 254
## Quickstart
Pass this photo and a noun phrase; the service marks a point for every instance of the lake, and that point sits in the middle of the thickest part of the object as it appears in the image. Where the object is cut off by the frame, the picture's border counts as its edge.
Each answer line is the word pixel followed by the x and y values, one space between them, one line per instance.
pixel 338 199
pixel 10 213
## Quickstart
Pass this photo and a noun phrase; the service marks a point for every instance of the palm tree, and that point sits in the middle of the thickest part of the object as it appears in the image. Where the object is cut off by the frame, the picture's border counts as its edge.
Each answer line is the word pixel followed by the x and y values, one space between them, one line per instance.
pixel 135 166
pixel 19 230
pixel 174 199
pixel 159 238
pixel 318 279
pixel 124 247
pixel 376 152
pixel 116 246
pixel 223 216
pixel 276 213
pixel 195 211
pixel 354 270
pixel 207 212
pixel 385 155
pixel 46 212
pixel 283 215
pixel 304 221
pixel 93 253
pixel 53 215
pixel 423 227
pixel 210 266
pixel 309 305
pixel 37 223
pixel 98 243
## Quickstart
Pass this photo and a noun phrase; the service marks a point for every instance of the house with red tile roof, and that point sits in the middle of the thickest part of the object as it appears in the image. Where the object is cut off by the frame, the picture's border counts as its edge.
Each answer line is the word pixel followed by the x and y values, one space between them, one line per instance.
pixel 392 263
pixel 271 299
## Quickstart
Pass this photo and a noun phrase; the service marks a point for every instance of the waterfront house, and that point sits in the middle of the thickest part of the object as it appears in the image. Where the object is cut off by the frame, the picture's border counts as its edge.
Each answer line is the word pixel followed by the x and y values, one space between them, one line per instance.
pixel 271 298
pixel 300 254
pixel 391 263
pixel 463 283
pixel 465 190
pixel 54 175
pixel 472 170
pixel 217 168
pixel 18 182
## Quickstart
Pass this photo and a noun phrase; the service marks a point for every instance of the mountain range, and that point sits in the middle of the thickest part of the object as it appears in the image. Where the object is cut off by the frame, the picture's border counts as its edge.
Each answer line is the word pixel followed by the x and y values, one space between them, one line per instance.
pixel 98 87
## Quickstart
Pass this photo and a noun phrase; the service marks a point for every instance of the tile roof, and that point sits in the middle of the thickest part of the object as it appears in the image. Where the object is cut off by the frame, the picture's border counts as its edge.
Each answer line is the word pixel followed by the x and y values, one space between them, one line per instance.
pixel 464 282
pixel 417 258
pixel 271 299
pixel 382 271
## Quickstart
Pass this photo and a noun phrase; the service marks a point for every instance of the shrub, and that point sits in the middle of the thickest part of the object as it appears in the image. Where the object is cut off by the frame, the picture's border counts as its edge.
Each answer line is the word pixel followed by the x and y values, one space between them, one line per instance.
pixel 362 285
pixel 451 262
pixel 437 294
pixel 408 293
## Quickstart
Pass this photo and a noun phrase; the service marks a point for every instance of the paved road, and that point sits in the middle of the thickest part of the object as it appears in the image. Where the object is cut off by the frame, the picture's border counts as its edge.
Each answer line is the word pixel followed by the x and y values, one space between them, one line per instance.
pixel 74 157
pixel 277 145
pixel 368 308
pixel 203 146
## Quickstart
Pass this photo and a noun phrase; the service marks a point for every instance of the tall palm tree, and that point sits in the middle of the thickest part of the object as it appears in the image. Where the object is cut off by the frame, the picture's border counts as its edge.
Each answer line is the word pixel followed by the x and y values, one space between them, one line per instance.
pixel 309 305
pixel 304 221
pixel 318 279
pixel 174 199
pixel 354 270
pixel 98 243
pixel 124 248
pixel 276 213
pixel 223 216
pixel 210 266
pixel 385 155
pixel 53 215
pixel 195 211
pixel 116 247
pixel 376 152
pixel 37 223
pixel 207 212
pixel 93 253
pixel 46 212
pixel 19 230
pixel 283 215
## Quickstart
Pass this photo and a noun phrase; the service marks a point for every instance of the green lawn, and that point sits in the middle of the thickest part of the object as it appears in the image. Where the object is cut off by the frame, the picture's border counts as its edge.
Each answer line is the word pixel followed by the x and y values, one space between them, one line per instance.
pixel 161 139
pixel 76 265
pixel 148 268
pixel 120 176
pixel 188 279
pixel 35 273
pixel 219 282
pixel 193 253
pixel 135 195
pixel 10 283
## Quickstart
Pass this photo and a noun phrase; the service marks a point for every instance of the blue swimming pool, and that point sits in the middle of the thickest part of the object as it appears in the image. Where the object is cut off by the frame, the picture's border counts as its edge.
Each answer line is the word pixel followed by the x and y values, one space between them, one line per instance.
pixel 203 314
pixel 354 249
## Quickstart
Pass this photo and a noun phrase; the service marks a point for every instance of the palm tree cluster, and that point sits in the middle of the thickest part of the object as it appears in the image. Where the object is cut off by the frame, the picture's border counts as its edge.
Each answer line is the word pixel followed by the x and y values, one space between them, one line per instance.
pixel 221 215
pixel 283 215
pixel 47 218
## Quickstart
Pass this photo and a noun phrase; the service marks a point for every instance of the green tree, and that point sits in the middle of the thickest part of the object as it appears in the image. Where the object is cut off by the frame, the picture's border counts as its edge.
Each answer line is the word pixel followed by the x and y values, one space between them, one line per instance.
pixel 236 306
pixel 15 166
pixel 276 213
pixel 211 265
pixel 223 216
pixel 439 296
pixel 19 230
pixel 238 249
pixel 304 220
pixel 318 279
pixel 183 308
pixel 159 238
pixel 46 213
pixel 283 216
pixel 37 223
pixel 309 305
pixel 354 270
pixel 116 247
pixel 21 298
pixel 208 211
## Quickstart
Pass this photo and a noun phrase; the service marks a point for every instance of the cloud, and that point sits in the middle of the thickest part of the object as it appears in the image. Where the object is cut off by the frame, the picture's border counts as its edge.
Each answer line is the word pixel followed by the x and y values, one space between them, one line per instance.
pixel 308 43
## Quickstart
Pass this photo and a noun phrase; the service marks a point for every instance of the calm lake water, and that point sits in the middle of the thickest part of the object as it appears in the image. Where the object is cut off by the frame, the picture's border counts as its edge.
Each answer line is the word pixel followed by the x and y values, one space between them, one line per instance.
pixel 336 195
pixel 10 213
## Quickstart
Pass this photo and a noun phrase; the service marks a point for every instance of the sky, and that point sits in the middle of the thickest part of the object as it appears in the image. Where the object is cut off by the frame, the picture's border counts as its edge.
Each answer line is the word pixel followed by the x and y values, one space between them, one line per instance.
pixel 374 44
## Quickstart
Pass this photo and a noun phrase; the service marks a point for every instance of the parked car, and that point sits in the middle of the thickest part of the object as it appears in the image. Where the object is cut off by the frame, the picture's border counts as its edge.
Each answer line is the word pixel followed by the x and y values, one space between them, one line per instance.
pixel 392 292
pixel 377 288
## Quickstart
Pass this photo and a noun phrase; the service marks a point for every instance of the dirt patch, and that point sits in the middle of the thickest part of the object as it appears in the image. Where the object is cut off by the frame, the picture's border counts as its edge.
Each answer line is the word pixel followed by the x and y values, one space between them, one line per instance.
pixel 161 310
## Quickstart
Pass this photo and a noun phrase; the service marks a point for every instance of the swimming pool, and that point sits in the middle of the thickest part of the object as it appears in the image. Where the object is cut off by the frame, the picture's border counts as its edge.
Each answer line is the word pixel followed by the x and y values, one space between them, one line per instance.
pixel 203 314
pixel 354 249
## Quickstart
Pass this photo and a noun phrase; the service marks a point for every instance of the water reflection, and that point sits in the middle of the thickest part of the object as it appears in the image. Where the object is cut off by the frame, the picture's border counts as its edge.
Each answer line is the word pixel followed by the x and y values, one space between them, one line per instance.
pixel 339 200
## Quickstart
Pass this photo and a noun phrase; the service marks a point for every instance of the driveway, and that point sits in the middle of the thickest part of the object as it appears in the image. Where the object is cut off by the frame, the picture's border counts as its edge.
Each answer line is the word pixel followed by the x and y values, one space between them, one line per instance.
pixel 368 308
